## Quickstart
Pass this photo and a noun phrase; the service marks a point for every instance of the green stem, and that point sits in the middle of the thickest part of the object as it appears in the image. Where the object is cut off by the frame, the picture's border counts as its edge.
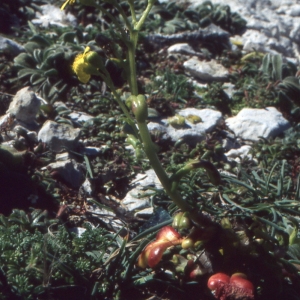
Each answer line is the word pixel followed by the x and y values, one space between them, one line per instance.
pixel 133 43
pixel 133 15
pixel 152 156
pixel 150 151
pixel 139 24
pixel 131 63
pixel 143 133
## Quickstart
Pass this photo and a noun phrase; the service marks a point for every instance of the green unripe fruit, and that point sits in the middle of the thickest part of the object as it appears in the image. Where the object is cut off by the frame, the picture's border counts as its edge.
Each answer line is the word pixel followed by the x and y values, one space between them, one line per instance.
pixel 182 221
pixel 187 243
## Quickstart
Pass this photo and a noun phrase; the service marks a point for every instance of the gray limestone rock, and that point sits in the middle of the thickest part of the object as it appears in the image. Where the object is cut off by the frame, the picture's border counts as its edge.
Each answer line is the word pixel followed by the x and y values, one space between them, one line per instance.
pixel 24 106
pixel 138 198
pixel 207 71
pixel 59 136
pixel 69 171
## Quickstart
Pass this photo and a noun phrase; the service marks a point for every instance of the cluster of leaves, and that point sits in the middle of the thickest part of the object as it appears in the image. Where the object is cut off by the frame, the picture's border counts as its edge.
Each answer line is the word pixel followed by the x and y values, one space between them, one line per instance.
pixel 168 91
pixel 46 63
pixel 174 17
pixel 37 261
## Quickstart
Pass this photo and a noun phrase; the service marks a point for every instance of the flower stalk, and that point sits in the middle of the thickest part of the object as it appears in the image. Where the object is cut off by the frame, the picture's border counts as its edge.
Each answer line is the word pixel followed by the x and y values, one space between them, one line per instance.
pixel 139 105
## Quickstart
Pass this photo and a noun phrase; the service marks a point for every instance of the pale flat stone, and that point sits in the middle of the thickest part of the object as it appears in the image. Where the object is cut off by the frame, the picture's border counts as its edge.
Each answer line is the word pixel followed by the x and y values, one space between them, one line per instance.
pixel 252 123
pixel 206 70
pixel 191 133
pixel 138 198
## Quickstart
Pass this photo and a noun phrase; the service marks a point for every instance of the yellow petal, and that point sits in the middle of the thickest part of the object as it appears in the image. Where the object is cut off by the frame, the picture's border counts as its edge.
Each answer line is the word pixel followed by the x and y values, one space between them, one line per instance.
pixel 78 67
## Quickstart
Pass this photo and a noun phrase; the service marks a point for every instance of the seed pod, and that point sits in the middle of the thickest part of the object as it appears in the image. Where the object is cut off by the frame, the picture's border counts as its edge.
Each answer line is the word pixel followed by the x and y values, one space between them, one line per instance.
pixel 176 121
pixel 182 221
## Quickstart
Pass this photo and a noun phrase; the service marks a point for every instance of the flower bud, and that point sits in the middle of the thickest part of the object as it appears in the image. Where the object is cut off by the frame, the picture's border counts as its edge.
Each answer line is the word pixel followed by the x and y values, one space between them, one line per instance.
pixel 139 108
pixel 129 100
pixel 94 59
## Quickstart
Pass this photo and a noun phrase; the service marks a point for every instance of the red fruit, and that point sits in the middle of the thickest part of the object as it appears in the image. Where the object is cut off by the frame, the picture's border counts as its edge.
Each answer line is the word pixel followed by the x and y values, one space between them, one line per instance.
pixel 215 280
pixel 168 233
pixel 241 282
pixel 153 252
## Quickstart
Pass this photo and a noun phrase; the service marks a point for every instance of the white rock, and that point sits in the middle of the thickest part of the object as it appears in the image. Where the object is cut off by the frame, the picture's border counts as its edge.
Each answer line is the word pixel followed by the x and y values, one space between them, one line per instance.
pixel 78 230
pixel 59 136
pixel 206 70
pixel 53 15
pixel 70 171
pixel 253 39
pixel 182 48
pixel 191 133
pixel 106 216
pixel 7 121
pixel 144 213
pixel 62 156
pixel 80 117
pixel 32 135
pixel 138 198
pixel 229 89
pixel 238 154
pixel 91 151
pixel 295 11
pixel 251 123
pixel 24 106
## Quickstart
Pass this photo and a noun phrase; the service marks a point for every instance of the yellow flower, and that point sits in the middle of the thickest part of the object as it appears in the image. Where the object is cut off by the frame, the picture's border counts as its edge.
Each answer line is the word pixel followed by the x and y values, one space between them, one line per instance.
pixel 66 3
pixel 80 65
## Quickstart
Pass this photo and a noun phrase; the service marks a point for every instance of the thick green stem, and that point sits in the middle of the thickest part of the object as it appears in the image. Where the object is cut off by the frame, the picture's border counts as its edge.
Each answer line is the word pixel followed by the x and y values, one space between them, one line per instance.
pixel 150 151
pixel 152 156
pixel 131 63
